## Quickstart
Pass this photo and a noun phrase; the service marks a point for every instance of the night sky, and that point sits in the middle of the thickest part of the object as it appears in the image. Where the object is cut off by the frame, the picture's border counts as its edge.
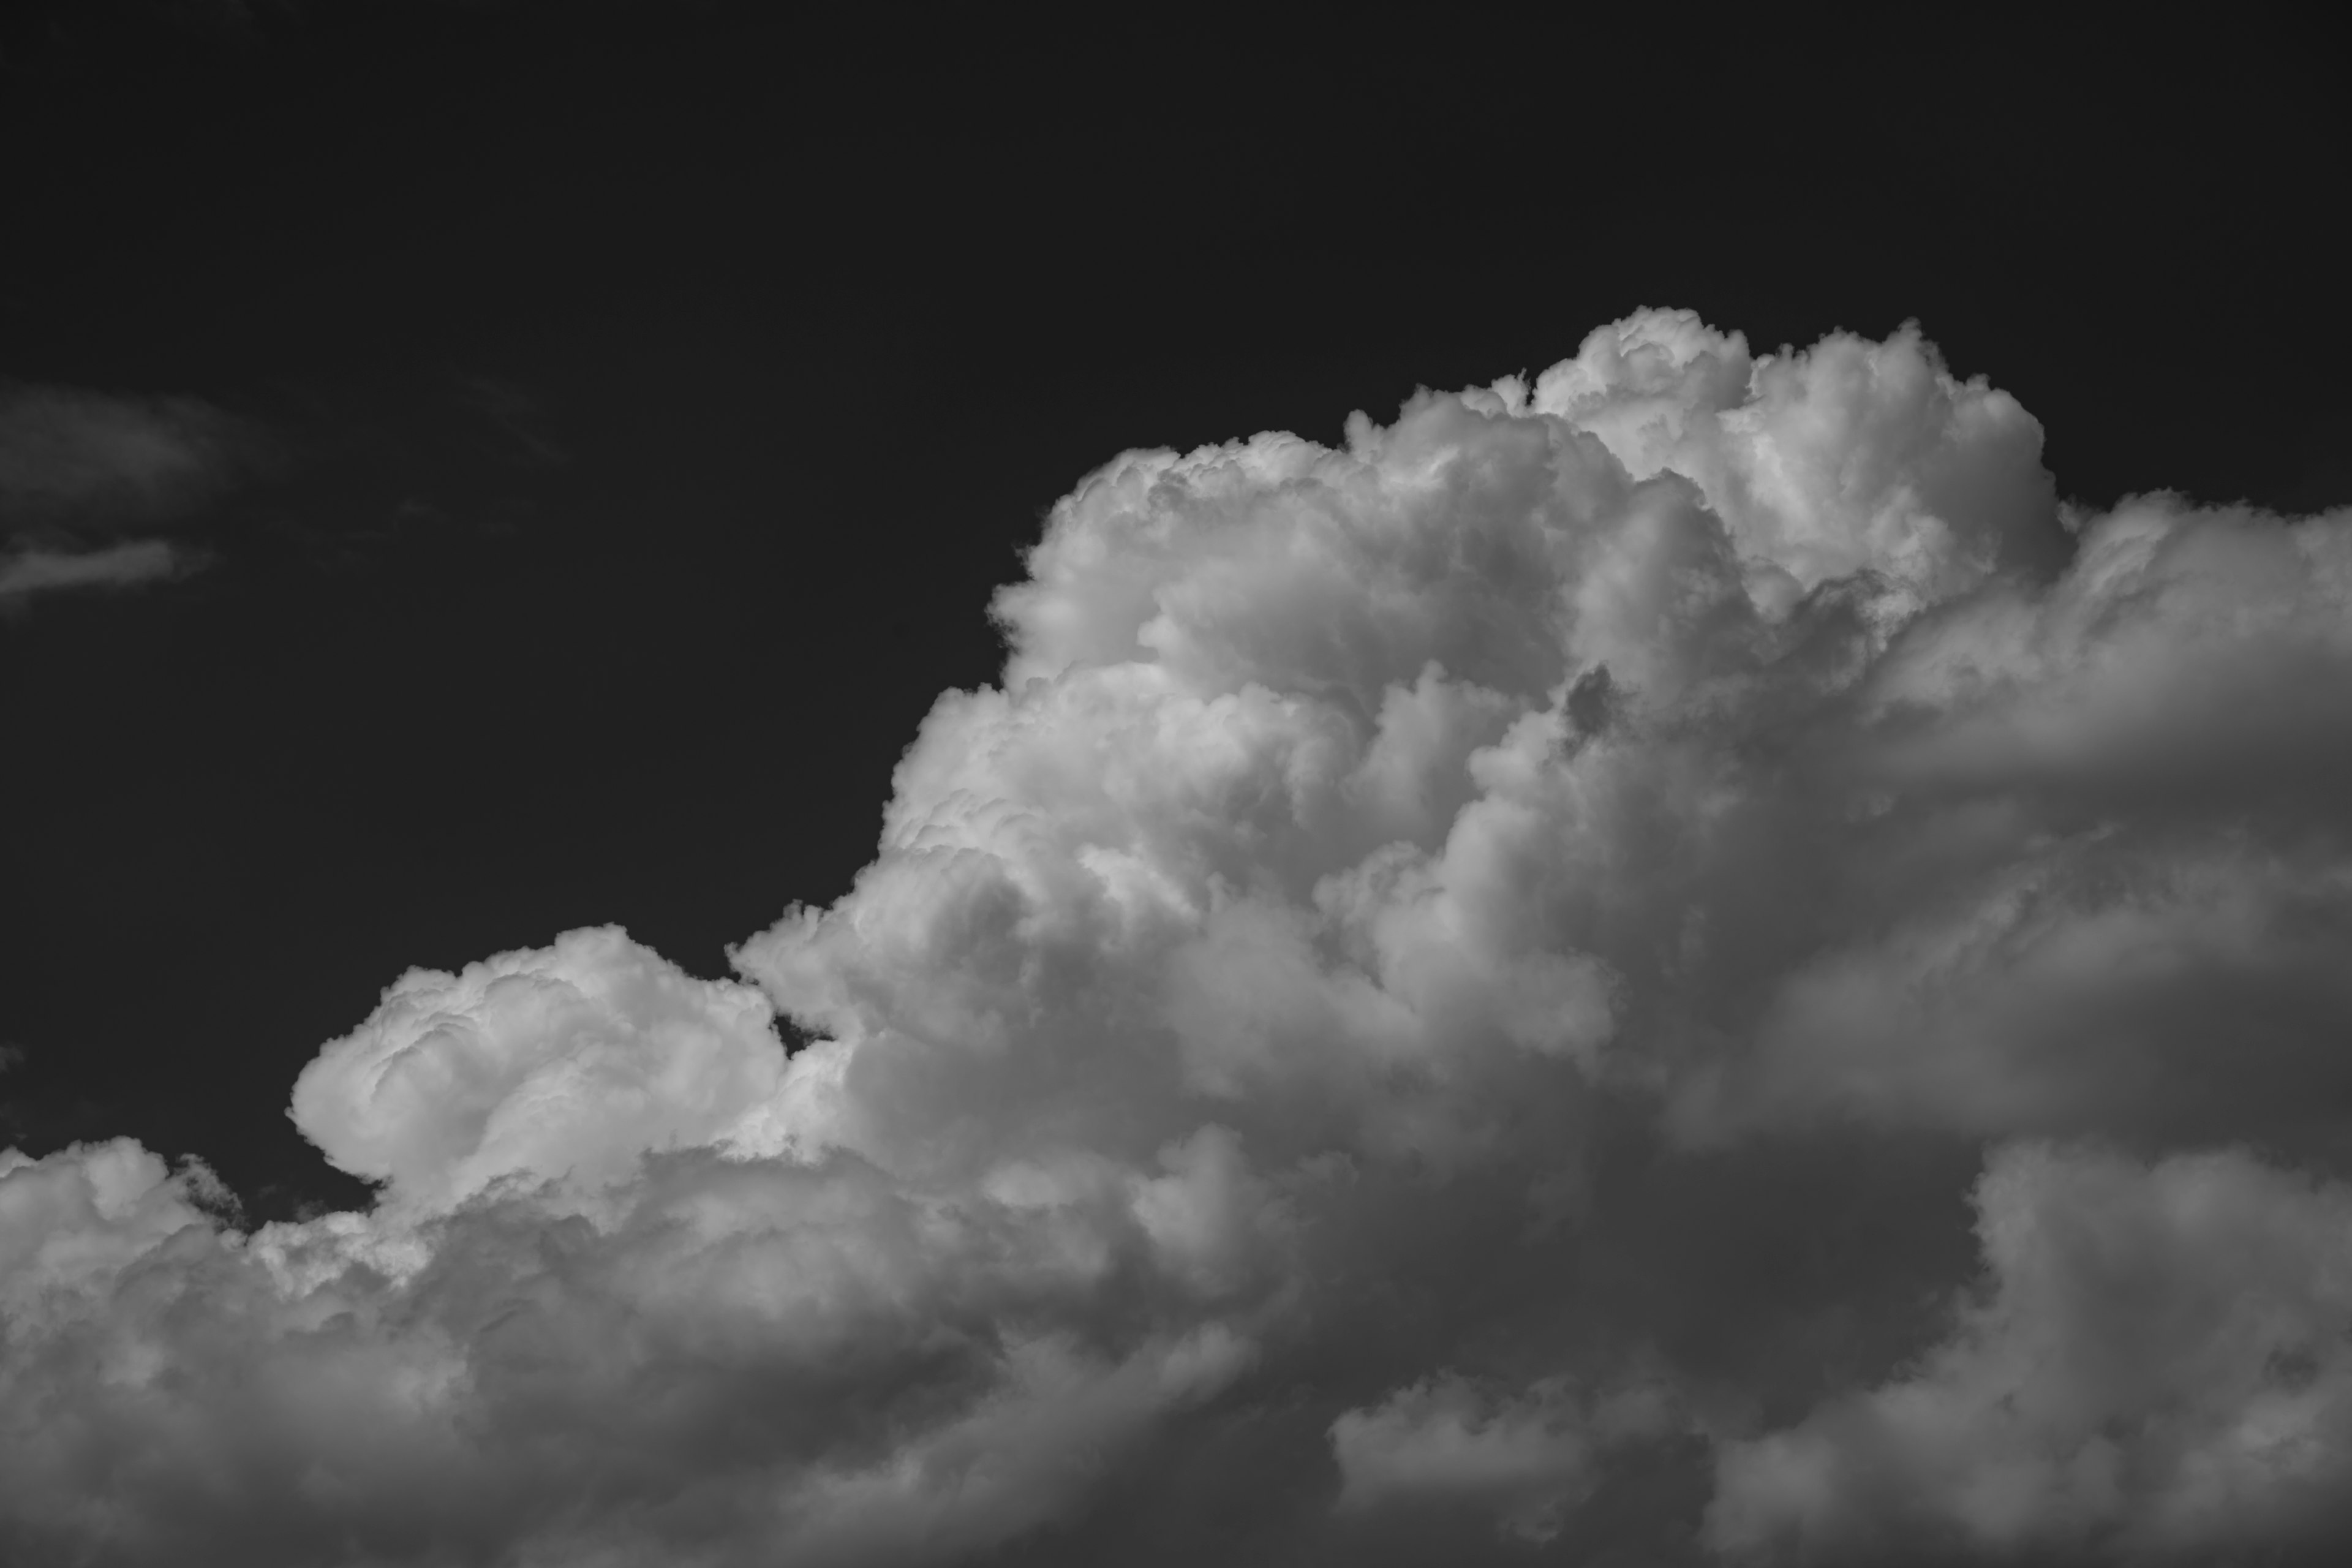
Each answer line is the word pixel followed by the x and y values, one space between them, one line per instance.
pixel 586 438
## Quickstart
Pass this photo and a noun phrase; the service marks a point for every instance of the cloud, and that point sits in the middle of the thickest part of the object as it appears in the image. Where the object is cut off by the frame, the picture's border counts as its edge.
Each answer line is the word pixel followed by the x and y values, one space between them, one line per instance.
pixel 1449 1002
pixel 568 1065
pixel 78 469
pixel 2105 835
pixel 24 573
pixel 75 457
pixel 2158 1367
pixel 788 1351
pixel 1529 1459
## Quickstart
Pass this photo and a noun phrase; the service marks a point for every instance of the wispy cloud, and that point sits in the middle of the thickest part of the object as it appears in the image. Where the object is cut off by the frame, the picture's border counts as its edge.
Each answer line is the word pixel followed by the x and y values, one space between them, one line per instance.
pixel 79 469
pixel 24 573
pixel 89 460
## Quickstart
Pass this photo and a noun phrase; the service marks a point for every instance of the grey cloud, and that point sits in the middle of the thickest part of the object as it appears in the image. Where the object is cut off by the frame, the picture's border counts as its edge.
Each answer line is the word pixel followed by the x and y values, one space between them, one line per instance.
pixel 1528 1458
pixel 26 572
pixel 2157 1368
pixel 81 470
pixel 1451 1003
pixel 85 459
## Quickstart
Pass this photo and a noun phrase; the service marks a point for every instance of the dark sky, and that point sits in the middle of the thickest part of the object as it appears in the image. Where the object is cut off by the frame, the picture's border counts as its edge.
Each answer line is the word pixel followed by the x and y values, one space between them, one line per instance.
pixel 637 404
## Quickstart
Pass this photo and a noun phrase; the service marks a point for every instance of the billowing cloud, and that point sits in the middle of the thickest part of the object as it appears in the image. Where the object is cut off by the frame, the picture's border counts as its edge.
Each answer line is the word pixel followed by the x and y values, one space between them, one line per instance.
pixel 2109 839
pixel 1448 1003
pixel 566 1066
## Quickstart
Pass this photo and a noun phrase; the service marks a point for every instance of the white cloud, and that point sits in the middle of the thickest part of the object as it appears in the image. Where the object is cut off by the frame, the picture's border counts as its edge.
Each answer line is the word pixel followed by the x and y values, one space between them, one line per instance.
pixel 566 1065
pixel 1854 456
pixel 79 468
pixel 1555 886
pixel 67 1222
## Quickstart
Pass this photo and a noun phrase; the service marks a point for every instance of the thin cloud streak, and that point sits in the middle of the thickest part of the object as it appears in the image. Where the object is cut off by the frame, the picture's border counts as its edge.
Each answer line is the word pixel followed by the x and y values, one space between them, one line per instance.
pixel 24 573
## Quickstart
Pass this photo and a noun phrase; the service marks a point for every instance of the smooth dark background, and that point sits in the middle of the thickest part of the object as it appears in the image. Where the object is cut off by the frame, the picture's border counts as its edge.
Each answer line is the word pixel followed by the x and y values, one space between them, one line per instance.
pixel 649 397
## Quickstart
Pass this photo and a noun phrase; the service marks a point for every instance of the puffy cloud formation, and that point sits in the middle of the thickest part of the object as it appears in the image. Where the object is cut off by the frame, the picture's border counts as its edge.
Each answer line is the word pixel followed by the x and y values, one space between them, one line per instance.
pixel 1447 1004
pixel 562 1067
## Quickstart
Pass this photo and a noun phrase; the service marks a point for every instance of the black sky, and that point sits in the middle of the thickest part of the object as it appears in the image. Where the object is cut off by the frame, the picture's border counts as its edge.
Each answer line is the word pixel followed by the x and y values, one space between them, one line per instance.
pixel 641 402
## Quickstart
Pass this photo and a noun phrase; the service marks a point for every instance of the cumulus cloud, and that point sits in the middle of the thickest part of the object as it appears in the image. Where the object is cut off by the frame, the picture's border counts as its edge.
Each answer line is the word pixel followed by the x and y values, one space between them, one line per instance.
pixel 1459 983
pixel 585 1265
pixel 565 1066
pixel 2108 838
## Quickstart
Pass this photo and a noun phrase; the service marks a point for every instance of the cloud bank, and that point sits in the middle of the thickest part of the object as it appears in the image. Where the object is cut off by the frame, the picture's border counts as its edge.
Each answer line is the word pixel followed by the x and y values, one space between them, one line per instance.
pixel 1670 962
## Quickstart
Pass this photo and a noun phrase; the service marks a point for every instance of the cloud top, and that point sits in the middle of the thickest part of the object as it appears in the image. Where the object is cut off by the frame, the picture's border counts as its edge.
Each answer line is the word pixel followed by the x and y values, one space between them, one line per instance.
pixel 564 1066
